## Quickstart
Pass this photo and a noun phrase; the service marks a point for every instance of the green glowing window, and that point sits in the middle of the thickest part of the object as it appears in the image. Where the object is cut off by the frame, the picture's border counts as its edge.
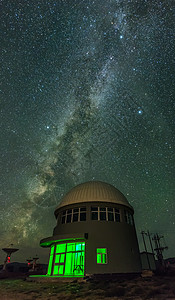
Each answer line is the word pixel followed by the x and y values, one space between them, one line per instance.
pixel 101 256
pixel 61 248
pixel 50 260
pixel 70 247
pixel 58 270
pixel 69 259
pixel 78 247
pixel 59 258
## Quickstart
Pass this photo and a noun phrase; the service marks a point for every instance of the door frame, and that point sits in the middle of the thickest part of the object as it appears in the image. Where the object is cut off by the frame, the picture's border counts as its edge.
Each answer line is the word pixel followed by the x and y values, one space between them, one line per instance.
pixel 64 263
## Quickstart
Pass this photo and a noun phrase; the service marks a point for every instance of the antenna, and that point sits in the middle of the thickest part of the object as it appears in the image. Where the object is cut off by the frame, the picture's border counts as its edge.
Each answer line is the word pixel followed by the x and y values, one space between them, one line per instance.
pixel 34 262
pixel 158 248
pixel 144 233
pixel 8 252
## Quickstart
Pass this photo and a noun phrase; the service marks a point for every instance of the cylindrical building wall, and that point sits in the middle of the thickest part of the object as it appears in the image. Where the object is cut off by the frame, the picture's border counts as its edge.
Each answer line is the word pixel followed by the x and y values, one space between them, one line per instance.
pixel 95 233
pixel 119 239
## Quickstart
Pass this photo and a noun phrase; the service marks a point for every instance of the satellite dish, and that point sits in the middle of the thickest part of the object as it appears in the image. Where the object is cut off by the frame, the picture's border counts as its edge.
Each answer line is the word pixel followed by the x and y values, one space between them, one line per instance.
pixel 8 251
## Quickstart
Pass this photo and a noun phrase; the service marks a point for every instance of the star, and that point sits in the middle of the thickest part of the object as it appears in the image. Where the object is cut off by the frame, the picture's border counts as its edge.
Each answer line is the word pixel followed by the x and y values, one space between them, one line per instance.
pixel 86 93
pixel 140 111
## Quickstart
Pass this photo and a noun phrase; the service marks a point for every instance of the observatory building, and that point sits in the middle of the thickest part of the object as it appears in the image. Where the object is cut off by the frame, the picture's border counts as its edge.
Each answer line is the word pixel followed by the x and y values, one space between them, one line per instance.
pixel 95 233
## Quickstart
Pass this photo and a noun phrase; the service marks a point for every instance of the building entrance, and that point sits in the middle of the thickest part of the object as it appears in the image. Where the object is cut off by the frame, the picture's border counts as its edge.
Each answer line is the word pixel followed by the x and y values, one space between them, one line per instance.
pixel 68 259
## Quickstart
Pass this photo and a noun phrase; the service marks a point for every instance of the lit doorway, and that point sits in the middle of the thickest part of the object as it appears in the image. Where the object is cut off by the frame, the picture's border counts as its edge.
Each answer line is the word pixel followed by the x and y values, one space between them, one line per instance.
pixel 69 259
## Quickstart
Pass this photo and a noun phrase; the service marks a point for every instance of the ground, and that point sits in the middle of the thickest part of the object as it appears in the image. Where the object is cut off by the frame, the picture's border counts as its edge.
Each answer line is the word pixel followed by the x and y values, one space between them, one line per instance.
pixel 156 287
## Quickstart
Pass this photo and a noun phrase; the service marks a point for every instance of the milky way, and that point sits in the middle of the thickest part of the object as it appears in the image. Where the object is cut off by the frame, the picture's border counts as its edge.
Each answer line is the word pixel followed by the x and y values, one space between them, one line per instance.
pixel 87 94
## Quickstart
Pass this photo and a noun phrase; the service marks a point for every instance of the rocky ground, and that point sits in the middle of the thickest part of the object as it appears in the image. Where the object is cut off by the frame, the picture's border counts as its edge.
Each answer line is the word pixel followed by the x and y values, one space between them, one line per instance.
pixel 155 287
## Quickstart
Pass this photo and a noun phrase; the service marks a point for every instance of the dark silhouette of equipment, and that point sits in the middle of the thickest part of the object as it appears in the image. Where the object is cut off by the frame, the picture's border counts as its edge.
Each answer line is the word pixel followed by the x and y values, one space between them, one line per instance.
pixel 29 260
pixel 143 237
pixel 8 252
pixel 158 248
pixel 34 267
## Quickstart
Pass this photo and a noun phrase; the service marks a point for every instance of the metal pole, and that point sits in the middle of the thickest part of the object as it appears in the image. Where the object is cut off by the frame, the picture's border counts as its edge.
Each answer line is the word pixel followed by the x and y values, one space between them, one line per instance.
pixel 146 249
pixel 150 242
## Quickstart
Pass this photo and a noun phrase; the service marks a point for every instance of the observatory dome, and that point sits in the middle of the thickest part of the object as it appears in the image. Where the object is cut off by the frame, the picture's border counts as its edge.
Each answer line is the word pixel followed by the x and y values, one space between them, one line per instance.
pixel 96 191
pixel 94 233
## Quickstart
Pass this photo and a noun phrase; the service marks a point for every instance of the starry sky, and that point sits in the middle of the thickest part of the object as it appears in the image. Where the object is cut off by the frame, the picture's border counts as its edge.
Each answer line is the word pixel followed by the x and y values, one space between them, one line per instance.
pixel 87 93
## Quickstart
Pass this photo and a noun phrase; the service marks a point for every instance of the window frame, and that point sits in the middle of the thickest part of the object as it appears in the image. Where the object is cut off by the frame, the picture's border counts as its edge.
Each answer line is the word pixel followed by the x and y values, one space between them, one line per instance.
pixel 128 217
pixel 80 211
pixel 98 254
pixel 99 210
pixel 61 253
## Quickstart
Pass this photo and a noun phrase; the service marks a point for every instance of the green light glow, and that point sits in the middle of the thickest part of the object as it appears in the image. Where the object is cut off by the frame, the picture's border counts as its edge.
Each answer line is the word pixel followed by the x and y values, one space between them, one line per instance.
pixel 59 258
pixel 70 247
pixel 52 249
pixel 61 248
pixel 58 270
pixel 101 256
pixel 101 250
pixel 48 276
pixel 62 258
pixel 50 260
pixel 69 260
pixel 55 271
pixel 48 243
pixel 98 259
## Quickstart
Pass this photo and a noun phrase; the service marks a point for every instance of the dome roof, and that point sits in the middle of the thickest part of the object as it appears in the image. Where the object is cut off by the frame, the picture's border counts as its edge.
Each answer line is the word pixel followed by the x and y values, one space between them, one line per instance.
pixel 93 191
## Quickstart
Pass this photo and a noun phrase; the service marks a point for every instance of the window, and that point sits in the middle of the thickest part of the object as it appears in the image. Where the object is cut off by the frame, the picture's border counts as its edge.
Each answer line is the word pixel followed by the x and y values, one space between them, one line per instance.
pixel 82 214
pixel 105 214
pixel 98 213
pixel 50 260
pixel 101 256
pixel 63 219
pixel 110 214
pixel 117 215
pixel 60 248
pixel 128 217
pixel 73 215
pixel 59 258
pixel 94 213
pixel 69 216
pixel 68 260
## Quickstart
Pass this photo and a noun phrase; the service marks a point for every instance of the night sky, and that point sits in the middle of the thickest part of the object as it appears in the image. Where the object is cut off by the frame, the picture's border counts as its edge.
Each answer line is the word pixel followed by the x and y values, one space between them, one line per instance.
pixel 87 93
